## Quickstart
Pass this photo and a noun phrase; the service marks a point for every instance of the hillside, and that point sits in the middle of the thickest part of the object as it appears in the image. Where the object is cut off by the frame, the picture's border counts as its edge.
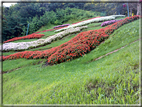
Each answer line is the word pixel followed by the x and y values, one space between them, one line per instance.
pixel 87 79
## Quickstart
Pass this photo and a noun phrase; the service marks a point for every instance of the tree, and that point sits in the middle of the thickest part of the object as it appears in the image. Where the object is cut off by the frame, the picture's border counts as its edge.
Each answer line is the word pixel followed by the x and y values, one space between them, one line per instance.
pixel 135 7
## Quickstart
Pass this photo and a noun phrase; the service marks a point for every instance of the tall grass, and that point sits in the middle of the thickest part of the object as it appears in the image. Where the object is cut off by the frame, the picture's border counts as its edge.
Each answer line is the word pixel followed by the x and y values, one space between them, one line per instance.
pixel 111 80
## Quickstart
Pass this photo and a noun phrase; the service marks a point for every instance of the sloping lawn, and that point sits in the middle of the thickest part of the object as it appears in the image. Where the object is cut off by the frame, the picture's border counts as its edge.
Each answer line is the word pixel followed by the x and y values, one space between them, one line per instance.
pixel 113 79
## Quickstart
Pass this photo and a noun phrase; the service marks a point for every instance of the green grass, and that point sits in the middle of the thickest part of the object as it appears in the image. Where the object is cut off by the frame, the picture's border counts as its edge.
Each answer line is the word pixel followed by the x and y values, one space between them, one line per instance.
pixel 8 53
pixel 13 64
pixel 68 83
pixel 113 79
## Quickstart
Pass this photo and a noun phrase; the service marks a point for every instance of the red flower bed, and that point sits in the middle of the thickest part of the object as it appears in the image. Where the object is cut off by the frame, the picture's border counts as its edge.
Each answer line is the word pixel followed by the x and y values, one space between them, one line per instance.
pixel 31 36
pixel 76 47
pixel 68 53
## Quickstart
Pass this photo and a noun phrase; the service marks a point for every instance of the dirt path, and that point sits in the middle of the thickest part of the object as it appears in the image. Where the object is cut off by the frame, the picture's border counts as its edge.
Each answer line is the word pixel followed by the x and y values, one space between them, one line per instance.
pixel 114 51
pixel 3 72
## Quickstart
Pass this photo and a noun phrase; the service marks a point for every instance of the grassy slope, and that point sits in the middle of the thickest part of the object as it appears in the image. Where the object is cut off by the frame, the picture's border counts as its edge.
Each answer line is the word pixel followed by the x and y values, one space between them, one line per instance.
pixel 115 78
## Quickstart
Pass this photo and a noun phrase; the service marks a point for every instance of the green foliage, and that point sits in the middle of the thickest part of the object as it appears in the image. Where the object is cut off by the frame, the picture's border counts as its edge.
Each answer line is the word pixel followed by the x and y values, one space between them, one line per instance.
pixel 34 25
pixel 12 26
pixel 48 17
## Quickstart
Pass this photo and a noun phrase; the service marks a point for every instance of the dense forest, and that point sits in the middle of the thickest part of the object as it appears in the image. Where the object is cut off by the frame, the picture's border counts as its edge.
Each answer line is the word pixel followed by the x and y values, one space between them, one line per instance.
pixel 17 18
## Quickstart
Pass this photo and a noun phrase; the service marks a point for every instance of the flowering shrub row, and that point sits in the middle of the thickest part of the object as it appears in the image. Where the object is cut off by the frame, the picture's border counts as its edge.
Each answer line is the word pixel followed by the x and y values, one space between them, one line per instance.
pixel 91 21
pixel 31 36
pixel 39 42
pixel 76 47
pixel 61 25
pixel 109 22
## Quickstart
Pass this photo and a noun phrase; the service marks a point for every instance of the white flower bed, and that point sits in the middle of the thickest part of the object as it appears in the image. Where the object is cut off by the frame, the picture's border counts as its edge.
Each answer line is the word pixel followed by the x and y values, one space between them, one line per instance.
pixel 112 17
pixel 26 45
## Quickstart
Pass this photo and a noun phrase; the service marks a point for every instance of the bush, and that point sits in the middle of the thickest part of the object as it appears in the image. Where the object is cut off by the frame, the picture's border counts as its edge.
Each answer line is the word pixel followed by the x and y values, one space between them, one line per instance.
pixel 110 22
pixel 61 26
